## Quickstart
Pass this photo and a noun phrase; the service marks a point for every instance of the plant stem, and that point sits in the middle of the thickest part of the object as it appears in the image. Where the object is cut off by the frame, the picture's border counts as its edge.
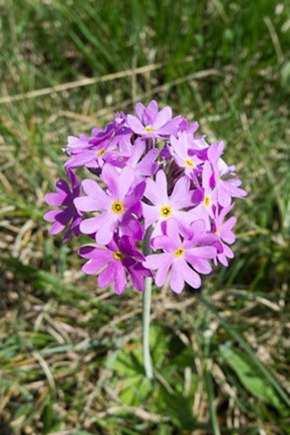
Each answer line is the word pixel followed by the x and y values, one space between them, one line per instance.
pixel 146 312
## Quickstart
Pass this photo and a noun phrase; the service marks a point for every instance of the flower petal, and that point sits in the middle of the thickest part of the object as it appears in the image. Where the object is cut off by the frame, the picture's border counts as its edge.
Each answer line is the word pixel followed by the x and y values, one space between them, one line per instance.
pixel 107 275
pixel 55 199
pixel 162 118
pixel 191 277
pixel 139 110
pixel 93 189
pixel 162 272
pixel 105 232
pixel 181 196
pixel 176 278
pixel 120 280
pixel 110 176
pixel 135 125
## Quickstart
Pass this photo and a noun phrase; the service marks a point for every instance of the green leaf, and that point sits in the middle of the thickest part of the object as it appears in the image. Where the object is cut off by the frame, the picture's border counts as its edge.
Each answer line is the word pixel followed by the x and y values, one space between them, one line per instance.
pixel 129 363
pixel 158 344
pixel 251 377
pixel 178 408
pixel 252 357
pixel 135 390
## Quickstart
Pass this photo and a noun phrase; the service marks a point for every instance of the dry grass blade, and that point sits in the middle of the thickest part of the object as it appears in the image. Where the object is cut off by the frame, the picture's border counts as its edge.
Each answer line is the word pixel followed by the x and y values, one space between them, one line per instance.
pixel 80 83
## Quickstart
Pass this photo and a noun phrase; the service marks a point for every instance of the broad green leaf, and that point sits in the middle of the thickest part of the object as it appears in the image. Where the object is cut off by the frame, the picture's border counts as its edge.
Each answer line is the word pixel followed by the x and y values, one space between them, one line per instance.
pixel 129 362
pixel 135 390
pixel 158 344
pixel 178 408
pixel 251 377
pixel 269 378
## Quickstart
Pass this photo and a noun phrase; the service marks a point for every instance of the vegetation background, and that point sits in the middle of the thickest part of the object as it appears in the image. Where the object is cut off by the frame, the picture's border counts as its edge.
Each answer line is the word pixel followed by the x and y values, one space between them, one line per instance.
pixel 70 353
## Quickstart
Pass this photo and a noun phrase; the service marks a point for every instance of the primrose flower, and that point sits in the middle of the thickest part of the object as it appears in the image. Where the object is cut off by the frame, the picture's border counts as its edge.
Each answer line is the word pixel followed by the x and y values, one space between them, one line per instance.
pixel 166 208
pixel 225 189
pixel 67 214
pixel 122 200
pixel 113 262
pixel 183 258
pixel 153 186
pixel 150 123
pixel 183 153
pixel 207 197
pixel 142 167
pixel 77 144
pixel 223 230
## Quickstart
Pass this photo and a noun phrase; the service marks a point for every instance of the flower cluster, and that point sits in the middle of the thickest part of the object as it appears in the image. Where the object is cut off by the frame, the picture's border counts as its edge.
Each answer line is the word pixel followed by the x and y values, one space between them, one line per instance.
pixel 153 181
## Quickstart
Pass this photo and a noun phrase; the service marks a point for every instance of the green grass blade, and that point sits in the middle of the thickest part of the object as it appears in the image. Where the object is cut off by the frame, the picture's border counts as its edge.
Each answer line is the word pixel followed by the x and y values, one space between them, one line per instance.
pixel 212 410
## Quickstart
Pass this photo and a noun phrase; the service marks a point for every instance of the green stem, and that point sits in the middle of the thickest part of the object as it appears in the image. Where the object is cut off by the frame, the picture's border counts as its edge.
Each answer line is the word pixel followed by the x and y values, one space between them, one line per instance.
pixel 146 313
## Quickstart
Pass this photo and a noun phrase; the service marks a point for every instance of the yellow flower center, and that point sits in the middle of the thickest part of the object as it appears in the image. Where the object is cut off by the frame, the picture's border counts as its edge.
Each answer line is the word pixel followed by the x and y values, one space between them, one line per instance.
pixel 179 252
pixel 166 211
pixel 189 163
pixel 207 201
pixel 101 152
pixel 118 207
pixel 118 255
pixel 218 231
pixel 149 129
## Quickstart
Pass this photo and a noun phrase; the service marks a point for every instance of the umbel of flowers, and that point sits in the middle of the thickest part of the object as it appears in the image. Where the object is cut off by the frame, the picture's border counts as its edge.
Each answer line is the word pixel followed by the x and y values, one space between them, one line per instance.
pixel 150 177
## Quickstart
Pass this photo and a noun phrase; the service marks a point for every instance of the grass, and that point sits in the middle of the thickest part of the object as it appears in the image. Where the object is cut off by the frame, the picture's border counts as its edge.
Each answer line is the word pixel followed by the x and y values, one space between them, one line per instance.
pixel 70 353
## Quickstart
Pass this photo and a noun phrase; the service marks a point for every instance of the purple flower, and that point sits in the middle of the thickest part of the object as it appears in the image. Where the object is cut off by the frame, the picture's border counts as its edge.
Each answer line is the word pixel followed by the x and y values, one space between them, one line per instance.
pixel 165 208
pixel 77 144
pixel 113 262
pixel 102 147
pixel 150 123
pixel 206 197
pixel 118 204
pixel 64 197
pixel 223 230
pixel 225 189
pixel 184 260
pixel 183 153
pixel 113 132
pixel 142 167
pixel 93 157
pixel 190 129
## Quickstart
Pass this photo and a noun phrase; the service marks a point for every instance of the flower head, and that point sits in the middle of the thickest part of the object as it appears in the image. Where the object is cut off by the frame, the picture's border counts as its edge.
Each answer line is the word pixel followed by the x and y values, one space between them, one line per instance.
pixel 149 174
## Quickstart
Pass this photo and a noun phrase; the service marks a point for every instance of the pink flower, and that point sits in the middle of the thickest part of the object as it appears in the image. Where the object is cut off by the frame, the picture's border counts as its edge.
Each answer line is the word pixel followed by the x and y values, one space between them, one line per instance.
pixel 67 214
pixel 206 198
pixel 184 154
pixel 114 262
pixel 225 189
pixel 142 165
pixel 150 123
pixel 223 230
pixel 182 259
pixel 164 207
pixel 118 204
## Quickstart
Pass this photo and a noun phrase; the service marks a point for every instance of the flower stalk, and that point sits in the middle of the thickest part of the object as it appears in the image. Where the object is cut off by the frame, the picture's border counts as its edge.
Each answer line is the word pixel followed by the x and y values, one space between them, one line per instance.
pixel 147 361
